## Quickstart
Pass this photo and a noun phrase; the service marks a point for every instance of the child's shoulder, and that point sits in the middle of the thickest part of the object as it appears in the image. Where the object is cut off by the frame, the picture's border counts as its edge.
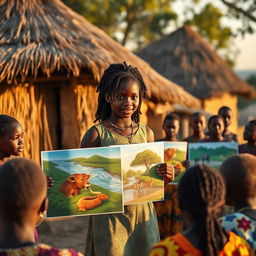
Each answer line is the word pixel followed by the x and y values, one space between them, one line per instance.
pixel 149 132
pixel 91 138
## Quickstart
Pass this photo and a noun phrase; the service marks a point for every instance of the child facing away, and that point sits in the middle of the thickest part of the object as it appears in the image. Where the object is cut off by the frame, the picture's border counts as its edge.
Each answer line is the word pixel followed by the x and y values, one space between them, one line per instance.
pixel 23 204
pixel 201 195
pixel 11 138
pixel 226 113
pixel 239 174
pixel 168 212
pixel 198 125
pixel 250 137
pixel 121 90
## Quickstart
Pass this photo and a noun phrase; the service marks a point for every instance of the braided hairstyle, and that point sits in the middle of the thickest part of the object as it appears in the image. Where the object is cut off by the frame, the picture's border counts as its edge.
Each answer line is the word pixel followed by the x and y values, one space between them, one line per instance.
pixel 109 86
pixel 201 193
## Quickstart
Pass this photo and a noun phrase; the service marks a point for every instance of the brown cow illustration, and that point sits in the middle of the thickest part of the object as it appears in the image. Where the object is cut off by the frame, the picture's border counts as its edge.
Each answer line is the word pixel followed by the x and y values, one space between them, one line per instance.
pixel 90 202
pixel 73 184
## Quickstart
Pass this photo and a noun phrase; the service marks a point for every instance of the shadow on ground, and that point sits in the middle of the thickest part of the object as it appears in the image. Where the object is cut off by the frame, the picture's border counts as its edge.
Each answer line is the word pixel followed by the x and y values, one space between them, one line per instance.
pixel 65 232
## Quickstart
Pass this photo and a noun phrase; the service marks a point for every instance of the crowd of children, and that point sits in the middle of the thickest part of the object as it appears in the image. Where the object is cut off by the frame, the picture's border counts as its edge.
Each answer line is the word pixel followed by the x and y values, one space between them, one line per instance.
pixel 198 200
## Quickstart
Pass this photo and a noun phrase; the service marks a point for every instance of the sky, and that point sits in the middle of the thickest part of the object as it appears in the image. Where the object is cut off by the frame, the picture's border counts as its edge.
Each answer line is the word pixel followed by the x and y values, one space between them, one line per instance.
pixel 110 152
pixel 247 45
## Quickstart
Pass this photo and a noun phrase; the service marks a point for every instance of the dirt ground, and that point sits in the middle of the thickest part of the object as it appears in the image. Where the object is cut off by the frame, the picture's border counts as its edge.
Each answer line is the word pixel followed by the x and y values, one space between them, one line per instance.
pixel 65 232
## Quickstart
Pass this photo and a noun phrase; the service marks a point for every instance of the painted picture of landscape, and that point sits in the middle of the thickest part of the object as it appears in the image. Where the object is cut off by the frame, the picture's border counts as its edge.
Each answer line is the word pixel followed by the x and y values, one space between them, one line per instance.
pixel 175 152
pixel 211 153
pixel 86 181
pixel 141 183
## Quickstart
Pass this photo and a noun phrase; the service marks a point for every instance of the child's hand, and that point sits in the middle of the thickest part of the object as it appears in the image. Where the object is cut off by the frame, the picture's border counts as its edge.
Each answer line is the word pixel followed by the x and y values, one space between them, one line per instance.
pixel 50 181
pixel 166 171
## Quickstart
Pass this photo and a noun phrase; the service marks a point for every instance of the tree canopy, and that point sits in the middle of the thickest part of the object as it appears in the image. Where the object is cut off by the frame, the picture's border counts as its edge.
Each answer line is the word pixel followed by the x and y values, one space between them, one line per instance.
pixel 146 158
pixel 135 23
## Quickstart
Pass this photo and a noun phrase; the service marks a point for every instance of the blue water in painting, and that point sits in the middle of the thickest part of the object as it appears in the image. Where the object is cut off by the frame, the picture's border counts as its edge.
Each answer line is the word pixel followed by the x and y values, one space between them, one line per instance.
pixel 99 175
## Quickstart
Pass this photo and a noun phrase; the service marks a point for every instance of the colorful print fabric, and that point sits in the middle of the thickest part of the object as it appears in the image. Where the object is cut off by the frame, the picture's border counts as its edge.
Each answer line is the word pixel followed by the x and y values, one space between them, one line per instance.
pixel 241 225
pixel 39 250
pixel 169 218
pixel 178 245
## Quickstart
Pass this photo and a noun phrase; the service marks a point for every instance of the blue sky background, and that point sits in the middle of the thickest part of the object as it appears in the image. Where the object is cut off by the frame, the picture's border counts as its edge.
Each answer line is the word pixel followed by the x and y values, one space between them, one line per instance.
pixel 108 152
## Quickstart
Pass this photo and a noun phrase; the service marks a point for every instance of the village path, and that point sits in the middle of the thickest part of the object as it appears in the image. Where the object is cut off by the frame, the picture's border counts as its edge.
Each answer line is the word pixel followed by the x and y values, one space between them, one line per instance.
pixel 65 233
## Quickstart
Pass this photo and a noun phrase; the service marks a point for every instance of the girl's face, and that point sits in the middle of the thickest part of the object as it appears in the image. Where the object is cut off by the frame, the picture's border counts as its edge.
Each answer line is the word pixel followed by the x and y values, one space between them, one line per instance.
pixel 127 99
pixel 216 126
pixel 12 141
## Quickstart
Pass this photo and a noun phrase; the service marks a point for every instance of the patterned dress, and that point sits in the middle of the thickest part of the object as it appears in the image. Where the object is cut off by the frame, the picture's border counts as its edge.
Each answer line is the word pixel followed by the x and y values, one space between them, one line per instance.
pixel 241 225
pixel 179 245
pixel 168 213
pixel 133 232
pixel 38 250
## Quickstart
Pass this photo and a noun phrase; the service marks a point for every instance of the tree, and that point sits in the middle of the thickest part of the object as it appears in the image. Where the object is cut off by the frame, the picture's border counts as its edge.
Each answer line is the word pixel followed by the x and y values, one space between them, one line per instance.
pixel 136 21
pixel 244 10
pixel 146 158
pixel 208 24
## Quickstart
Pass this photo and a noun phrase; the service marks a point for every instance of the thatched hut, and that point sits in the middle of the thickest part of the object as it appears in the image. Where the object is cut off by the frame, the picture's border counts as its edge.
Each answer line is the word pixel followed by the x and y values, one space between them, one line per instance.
pixel 185 58
pixel 51 59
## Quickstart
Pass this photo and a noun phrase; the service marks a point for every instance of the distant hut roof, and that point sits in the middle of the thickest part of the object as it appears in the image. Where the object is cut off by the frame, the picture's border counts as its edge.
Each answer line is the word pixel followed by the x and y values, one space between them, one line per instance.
pixel 41 37
pixel 185 58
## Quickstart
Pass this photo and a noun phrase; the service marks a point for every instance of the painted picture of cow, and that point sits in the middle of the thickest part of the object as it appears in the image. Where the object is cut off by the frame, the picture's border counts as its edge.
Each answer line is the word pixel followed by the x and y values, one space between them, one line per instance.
pixel 73 184
pixel 87 181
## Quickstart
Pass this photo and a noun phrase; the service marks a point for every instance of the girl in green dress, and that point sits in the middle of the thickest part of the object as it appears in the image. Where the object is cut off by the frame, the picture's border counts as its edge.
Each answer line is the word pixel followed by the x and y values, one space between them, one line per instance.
pixel 135 231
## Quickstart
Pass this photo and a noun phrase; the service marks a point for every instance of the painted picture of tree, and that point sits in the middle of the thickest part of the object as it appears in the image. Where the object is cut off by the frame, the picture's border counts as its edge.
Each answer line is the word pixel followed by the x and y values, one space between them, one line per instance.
pixel 141 182
pixel 146 158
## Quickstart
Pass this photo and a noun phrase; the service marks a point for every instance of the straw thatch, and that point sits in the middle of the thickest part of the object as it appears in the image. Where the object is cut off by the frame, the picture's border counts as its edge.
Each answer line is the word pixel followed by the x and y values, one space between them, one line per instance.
pixel 42 38
pixel 185 58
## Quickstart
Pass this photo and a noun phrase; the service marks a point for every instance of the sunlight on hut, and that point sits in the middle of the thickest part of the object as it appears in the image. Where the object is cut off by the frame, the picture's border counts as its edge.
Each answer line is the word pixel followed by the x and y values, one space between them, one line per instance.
pixel 186 59
pixel 50 64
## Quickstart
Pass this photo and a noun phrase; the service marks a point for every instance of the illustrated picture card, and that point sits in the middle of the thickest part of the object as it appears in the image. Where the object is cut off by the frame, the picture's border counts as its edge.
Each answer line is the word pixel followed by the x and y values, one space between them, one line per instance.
pixel 86 181
pixel 175 152
pixel 141 183
pixel 211 153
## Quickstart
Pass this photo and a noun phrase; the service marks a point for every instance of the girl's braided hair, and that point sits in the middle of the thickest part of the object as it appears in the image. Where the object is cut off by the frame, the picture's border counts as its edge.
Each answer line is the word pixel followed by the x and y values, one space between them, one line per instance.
pixel 201 193
pixel 109 86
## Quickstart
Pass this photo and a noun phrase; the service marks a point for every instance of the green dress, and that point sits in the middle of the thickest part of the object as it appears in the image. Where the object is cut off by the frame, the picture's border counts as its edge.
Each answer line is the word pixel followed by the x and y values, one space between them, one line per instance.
pixel 131 233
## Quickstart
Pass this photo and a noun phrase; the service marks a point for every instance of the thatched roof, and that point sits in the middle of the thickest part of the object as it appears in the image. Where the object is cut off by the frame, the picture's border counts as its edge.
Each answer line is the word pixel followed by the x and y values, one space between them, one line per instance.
pixel 41 37
pixel 185 58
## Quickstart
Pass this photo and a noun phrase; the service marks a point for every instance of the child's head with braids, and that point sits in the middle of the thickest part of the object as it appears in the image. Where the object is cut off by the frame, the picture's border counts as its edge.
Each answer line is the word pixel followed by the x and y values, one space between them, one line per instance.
pixel 112 88
pixel 201 195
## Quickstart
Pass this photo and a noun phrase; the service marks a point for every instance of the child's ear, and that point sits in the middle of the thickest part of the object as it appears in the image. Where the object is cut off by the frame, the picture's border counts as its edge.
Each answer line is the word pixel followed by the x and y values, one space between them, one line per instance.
pixel 108 99
pixel 44 206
